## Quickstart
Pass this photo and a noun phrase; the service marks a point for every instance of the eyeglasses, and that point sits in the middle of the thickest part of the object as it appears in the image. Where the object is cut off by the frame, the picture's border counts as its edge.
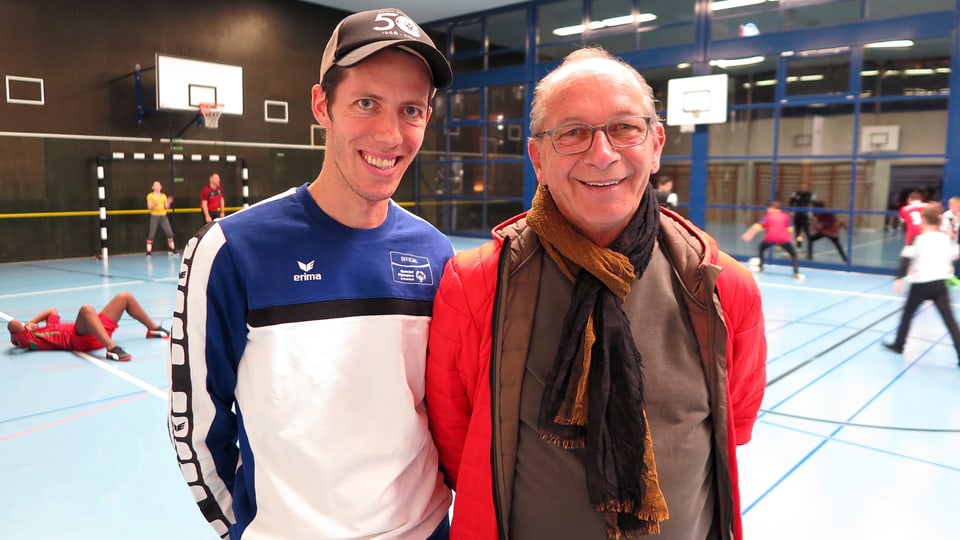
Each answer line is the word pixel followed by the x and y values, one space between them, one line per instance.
pixel 622 132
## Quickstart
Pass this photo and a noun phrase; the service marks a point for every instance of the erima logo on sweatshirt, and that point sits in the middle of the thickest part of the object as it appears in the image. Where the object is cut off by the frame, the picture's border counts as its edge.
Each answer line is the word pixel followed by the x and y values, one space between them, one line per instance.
pixel 306 268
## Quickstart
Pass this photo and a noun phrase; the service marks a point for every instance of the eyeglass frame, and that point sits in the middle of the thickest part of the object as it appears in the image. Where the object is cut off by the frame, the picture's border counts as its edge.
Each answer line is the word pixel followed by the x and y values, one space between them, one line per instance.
pixel 593 133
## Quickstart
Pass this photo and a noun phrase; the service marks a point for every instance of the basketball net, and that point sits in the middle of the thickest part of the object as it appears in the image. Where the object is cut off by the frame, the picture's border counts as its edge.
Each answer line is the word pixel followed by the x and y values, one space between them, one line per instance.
pixel 690 128
pixel 211 114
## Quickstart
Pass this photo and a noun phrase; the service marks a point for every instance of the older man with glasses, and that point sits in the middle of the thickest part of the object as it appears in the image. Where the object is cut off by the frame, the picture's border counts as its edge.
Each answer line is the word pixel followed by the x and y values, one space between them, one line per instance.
pixel 592 369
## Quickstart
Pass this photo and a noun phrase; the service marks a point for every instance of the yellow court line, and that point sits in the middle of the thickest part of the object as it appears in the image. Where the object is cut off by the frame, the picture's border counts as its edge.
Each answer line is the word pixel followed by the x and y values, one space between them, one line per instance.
pixel 87 213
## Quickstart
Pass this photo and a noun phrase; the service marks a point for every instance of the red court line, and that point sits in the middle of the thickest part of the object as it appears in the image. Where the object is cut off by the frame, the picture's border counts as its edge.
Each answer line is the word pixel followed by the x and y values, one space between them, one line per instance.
pixel 72 417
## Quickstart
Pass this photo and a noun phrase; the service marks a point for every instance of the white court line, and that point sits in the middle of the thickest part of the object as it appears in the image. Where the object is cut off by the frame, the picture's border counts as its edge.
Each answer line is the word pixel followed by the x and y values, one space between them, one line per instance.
pixel 796 287
pixel 830 291
pixel 122 374
pixel 70 289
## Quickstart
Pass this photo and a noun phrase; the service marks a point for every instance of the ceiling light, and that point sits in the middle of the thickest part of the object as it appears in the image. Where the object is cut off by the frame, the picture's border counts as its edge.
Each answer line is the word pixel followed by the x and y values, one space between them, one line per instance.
pixel 568 30
pixel 720 5
pixel 823 52
pixel 736 62
pixel 616 21
pixel 605 23
pixel 894 44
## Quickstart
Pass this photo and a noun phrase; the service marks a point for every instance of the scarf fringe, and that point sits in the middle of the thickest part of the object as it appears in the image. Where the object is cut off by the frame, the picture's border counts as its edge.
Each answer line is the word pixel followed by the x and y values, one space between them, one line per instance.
pixel 564 443
pixel 646 529
pixel 627 507
pixel 648 521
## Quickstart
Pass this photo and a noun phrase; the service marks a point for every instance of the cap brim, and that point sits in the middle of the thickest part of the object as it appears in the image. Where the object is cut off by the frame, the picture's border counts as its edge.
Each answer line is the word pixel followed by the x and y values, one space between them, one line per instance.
pixel 439 67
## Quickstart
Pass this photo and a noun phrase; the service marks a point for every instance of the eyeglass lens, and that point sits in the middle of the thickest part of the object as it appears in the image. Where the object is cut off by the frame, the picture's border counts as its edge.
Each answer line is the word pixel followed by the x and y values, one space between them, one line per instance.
pixel 621 132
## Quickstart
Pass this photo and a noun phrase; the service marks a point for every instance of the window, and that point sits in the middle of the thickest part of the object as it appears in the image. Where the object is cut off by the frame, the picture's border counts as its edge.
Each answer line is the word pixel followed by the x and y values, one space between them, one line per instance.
pixel 818 73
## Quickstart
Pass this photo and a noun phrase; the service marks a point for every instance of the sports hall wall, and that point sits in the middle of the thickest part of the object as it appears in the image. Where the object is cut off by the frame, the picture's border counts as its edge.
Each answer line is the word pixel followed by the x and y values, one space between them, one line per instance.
pixel 86 53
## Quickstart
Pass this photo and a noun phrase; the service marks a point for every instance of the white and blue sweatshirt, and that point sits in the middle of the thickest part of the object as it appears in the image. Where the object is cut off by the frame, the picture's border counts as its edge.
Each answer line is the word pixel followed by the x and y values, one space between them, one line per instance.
pixel 297 374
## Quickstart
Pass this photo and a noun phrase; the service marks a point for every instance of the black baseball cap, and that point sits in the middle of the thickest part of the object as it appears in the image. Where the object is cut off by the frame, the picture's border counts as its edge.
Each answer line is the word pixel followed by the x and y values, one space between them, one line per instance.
pixel 360 35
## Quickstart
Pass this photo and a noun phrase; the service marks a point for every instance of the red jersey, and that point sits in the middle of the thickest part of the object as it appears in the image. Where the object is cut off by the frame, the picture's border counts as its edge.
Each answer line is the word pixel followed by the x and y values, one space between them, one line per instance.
pixel 57 336
pixel 777 225
pixel 912 216
pixel 214 198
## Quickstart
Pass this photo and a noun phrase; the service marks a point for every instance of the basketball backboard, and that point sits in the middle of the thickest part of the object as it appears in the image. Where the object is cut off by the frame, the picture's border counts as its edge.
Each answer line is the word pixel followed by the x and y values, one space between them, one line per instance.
pixel 183 84
pixel 879 138
pixel 697 100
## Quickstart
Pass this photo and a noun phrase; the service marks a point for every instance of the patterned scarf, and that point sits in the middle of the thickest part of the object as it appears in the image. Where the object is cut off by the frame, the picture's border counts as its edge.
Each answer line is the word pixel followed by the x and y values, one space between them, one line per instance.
pixel 593 396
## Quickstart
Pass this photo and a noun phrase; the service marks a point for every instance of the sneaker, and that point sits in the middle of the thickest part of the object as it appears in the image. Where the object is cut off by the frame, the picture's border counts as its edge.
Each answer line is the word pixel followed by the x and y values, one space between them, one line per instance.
pixel 953 280
pixel 158 332
pixel 118 354
pixel 799 277
pixel 894 348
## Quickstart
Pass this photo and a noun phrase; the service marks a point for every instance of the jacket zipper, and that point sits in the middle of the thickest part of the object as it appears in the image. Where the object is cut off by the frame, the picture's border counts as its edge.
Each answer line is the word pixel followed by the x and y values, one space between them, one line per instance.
pixel 502 265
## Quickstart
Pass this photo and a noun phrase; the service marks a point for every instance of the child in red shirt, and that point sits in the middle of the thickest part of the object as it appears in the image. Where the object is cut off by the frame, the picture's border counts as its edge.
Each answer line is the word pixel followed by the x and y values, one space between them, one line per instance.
pixel 779 232
pixel 91 330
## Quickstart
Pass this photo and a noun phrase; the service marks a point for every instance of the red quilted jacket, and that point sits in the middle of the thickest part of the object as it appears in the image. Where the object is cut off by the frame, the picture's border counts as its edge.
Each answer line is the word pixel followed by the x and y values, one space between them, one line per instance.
pixel 476 454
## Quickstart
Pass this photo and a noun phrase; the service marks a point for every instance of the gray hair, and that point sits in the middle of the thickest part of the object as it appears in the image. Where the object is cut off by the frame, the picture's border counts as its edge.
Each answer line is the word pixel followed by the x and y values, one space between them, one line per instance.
pixel 544 89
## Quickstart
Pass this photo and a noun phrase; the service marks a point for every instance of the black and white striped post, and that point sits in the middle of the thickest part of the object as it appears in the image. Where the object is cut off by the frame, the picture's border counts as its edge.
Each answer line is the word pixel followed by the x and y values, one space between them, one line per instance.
pixel 246 185
pixel 102 195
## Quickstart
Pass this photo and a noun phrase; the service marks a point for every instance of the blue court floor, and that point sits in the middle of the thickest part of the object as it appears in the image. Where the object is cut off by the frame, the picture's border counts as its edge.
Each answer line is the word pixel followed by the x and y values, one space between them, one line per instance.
pixel 854 442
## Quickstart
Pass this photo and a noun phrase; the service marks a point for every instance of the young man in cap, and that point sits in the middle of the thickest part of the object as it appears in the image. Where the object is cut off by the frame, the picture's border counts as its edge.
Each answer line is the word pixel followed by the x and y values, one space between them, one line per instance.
pixel 297 365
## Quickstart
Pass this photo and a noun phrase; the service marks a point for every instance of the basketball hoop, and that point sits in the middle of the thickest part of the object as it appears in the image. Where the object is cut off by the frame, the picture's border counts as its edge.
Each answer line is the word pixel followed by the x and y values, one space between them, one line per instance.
pixel 211 114
pixel 690 126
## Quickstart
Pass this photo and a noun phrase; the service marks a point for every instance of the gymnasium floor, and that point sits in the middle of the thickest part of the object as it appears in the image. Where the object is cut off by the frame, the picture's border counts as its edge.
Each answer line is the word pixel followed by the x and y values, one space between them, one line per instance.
pixel 854 442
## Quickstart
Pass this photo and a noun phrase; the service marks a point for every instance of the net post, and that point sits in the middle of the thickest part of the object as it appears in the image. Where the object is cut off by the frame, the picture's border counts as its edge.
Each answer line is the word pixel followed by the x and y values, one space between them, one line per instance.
pixel 244 175
pixel 102 196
